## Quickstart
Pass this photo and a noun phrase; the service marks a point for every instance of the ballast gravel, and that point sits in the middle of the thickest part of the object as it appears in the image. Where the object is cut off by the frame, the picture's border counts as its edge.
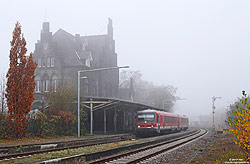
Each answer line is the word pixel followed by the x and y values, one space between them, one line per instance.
pixel 184 154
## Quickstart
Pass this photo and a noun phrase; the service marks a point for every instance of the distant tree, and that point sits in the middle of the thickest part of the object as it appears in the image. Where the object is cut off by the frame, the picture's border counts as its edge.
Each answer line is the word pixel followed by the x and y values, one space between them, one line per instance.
pixel 63 98
pixel 162 96
pixel 20 83
pixel 125 77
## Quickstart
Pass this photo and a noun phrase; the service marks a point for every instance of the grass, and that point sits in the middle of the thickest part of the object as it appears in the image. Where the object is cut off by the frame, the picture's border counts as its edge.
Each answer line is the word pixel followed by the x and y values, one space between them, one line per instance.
pixel 69 152
pixel 31 139
pixel 222 151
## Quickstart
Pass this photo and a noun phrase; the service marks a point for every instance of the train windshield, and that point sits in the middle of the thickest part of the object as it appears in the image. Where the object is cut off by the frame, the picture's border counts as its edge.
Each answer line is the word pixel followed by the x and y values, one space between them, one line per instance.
pixel 146 118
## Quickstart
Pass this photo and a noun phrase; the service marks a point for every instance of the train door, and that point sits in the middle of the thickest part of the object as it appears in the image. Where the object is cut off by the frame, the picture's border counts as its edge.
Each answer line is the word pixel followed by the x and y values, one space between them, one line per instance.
pixel 158 124
pixel 178 123
pixel 161 121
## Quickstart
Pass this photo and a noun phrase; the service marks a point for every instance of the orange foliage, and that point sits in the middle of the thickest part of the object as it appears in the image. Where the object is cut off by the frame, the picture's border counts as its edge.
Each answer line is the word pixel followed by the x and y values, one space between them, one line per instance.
pixel 20 83
pixel 67 116
pixel 240 125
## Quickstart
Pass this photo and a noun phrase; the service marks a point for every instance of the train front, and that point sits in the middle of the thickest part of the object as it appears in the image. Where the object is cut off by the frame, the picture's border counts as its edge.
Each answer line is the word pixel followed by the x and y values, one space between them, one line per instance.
pixel 146 121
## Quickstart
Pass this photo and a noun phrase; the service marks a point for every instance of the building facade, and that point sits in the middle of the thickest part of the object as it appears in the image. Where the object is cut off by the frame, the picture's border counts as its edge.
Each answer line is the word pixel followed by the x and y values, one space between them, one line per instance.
pixel 61 55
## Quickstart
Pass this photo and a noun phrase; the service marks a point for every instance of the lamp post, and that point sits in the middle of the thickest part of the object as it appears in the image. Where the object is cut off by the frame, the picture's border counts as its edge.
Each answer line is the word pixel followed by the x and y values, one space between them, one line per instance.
pixel 213 107
pixel 78 112
pixel 78 92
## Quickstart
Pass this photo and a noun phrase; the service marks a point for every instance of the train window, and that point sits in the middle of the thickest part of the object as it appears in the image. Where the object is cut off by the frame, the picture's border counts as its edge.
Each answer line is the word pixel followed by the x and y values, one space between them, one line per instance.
pixel 161 119
pixel 146 119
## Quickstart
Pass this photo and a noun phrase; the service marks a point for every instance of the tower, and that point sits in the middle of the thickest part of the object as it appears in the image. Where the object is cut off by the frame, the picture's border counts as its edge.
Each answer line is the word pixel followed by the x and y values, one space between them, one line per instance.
pixel 46 35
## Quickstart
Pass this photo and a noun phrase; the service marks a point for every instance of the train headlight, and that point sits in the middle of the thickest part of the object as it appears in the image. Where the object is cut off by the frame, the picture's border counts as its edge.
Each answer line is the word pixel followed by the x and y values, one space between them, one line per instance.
pixel 139 126
pixel 152 126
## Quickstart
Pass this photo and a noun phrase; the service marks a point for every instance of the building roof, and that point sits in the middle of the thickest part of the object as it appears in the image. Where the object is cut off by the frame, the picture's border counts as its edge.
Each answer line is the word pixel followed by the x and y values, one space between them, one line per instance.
pixel 76 49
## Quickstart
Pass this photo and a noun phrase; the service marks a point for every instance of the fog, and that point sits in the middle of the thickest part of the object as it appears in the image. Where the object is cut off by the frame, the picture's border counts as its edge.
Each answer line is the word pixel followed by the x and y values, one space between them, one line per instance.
pixel 200 47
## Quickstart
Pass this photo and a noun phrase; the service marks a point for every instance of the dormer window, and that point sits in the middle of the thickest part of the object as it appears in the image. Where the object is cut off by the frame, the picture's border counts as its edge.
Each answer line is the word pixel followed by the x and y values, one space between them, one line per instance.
pixel 84 44
pixel 88 60
pixel 87 63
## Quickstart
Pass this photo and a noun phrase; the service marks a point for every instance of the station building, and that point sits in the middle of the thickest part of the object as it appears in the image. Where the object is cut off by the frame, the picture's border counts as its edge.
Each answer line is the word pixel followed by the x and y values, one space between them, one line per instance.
pixel 61 55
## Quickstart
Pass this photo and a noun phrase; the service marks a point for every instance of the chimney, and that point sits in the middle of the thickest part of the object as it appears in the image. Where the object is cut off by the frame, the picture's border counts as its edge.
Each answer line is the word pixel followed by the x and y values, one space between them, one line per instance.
pixel 110 28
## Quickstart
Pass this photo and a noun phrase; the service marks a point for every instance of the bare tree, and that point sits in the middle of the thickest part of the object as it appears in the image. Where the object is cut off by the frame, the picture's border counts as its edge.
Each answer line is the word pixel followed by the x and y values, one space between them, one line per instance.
pixel 125 77
pixel 162 96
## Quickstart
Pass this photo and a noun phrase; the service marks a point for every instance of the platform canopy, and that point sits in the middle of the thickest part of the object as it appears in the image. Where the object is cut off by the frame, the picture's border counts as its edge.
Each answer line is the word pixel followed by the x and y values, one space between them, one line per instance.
pixel 114 114
pixel 100 103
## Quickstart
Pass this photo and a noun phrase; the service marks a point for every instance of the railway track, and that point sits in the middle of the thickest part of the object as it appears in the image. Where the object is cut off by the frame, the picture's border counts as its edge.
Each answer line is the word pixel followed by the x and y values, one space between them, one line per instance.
pixel 142 154
pixel 108 155
pixel 51 147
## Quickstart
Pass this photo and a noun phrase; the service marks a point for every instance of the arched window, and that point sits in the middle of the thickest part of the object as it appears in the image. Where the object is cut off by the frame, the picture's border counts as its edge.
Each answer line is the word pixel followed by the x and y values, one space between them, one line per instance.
pixel 46 83
pixel 54 83
pixel 38 84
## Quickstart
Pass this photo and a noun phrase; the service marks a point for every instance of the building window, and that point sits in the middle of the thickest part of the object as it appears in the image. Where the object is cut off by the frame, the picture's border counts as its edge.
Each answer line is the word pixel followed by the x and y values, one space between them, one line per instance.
pixel 39 62
pixel 37 88
pixel 52 61
pixel 54 85
pixel 48 61
pixel 45 48
pixel 43 62
pixel 46 86
pixel 83 47
pixel 87 63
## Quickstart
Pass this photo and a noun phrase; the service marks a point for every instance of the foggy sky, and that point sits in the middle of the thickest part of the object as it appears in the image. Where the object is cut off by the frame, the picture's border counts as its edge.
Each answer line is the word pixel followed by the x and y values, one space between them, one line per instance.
pixel 200 47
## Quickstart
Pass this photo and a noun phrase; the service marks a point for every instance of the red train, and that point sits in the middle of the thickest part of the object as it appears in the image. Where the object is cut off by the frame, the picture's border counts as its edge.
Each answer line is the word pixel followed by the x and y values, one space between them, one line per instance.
pixel 150 120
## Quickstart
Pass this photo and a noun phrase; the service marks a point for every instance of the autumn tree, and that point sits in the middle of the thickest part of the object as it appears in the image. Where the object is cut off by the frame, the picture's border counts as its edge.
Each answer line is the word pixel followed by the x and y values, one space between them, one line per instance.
pixel 240 123
pixel 20 83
